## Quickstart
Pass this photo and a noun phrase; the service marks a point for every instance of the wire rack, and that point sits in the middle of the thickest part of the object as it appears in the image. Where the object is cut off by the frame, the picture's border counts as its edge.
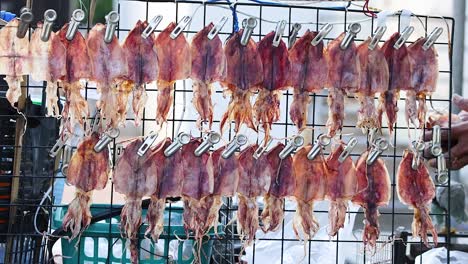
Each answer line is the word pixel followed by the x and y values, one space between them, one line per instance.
pixel 21 238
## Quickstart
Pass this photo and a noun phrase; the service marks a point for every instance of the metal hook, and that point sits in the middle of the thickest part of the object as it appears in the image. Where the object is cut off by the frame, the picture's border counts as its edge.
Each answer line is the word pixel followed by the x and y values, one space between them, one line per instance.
pixel 293 34
pixel 432 38
pixel 322 34
pixel 322 141
pixel 249 25
pixel 152 25
pixel 378 34
pixel 180 27
pixel 106 139
pixel 210 139
pixel 26 18
pixel 49 18
pixel 77 16
pixel 348 149
pixel 353 30
pixel 379 146
pixel 149 140
pixel 294 143
pixel 403 37
pixel 418 149
pixel 215 30
pixel 261 149
pixel 58 146
pixel 234 145
pixel 182 139
pixel 112 20
pixel 279 31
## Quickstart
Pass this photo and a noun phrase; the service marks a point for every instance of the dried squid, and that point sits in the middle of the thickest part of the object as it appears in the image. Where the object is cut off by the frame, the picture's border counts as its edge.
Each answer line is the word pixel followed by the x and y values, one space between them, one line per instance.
pixel 416 189
pixel 174 64
pixel 108 69
pixel 275 79
pixel 14 59
pixel 311 180
pixel 374 182
pixel 48 64
pixel 344 72
pixel 244 75
pixel 142 61
pixel 208 67
pixel 309 74
pixel 87 171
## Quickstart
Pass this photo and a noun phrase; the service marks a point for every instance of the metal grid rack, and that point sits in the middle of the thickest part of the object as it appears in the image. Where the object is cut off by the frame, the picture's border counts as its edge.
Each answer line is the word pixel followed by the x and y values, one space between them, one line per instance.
pixel 225 247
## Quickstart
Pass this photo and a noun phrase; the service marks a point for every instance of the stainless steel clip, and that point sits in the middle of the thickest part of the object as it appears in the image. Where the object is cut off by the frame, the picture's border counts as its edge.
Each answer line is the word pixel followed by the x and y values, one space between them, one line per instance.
pixel 77 16
pixel 234 145
pixel 442 172
pixel 322 141
pixel 49 18
pixel 66 157
pixel 432 38
pixel 378 147
pixel 261 149
pixel 58 146
pixel 249 25
pixel 348 149
pixel 436 148
pixel 418 149
pixel 149 140
pixel 353 30
pixel 215 30
pixel 293 34
pixel 182 139
pixel 209 140
pixel 322 34
pixel 294 143
pixel 403 37
pixel 378 34
pixel 112 20
pixel 26 18
pixel 152 25
pixel 279 31
pixel 106 139
pixel 180 27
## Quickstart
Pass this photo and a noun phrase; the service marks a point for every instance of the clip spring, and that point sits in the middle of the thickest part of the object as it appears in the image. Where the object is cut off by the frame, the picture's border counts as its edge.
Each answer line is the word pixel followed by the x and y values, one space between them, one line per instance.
pixel 432 38
pixel 378 34
pixel 182 139
pixel 353 30
pixel 378 147
pixel 234 145
pixel 293 34
pixel 112 20
pixel 261 149
pixel 106 139
pixel 180 27
pixel 49 18
pixel 280 27
pixel 322 141
pixel 76 19
pixel 293 144
pixel 26 18
pixel 58 146
pixel 403 37
pixel 322 34
pixel 209 140
pixel 249 25
pixel 418 149
pixel 348 149
pixel 215 30
pixel 149 140
pixel 152 25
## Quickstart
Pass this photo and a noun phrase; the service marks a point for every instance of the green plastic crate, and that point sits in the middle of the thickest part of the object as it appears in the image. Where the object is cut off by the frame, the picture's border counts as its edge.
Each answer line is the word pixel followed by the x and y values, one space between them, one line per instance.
pixel 97 236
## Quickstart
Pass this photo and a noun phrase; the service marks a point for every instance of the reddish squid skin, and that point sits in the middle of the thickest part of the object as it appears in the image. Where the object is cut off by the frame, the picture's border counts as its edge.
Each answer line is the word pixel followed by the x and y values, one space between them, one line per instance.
pixel 416 189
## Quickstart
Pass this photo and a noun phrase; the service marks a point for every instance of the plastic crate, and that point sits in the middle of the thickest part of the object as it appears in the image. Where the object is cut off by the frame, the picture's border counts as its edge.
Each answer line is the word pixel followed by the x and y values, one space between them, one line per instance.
pixel 94 243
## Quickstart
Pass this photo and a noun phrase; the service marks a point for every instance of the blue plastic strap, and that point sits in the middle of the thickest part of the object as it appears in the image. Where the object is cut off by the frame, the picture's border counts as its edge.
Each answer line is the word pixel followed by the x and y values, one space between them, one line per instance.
pixel 7 16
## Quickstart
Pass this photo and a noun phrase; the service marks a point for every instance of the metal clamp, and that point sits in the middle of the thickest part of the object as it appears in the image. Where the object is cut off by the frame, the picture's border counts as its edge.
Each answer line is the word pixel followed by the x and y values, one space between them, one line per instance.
pixel 436 148
pixel 58 146
pixel 26 18
pixel 322 141
pixel 209 140
pixel 432 38
pixel 279 31
pixel 180 27
pixel 348 149
pixel 77 17
pixel 403 37
pixel 322 34
pixel 49 18
pixel 418 150
pixel 378 147
pixel 442 171
pixel 66 157
pixel 294 143
pixel 112 20
pixel 293 34
pixel 234 145
pixel 249 25
pixel 149 140
pixel 378 34
pixel 353 30
pixel 261 149
pixel 182 139
pixel 152 25
pixel 106 139
pixel 215 30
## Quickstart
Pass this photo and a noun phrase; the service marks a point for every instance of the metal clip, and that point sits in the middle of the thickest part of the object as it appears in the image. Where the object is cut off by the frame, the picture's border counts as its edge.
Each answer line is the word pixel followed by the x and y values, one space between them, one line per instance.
pixel 149 140
pixel 322 34
pixel 294 143
pixel 26 18
pixel 96 122
pixel 322 141
pixel 152 25
pixel 436 148
pixel 106 139
pixel 249 25
pixel 182 139
pixel 119 149
pixel 442 172
pixel 215 30
pixel 431 39
pixel 66 157
pixel 418 149
pixel 403 37
pixel 112 20
pixel 379 146
pixel 279 31
pixel 180 27
pixel 293 34
pixel 58 146
pixel 378 34
pixel 77 16
pixel 261 149
pixel 234 145
pixel 210 139
pixel 49 18
pixel 348 149
pixel 353 30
